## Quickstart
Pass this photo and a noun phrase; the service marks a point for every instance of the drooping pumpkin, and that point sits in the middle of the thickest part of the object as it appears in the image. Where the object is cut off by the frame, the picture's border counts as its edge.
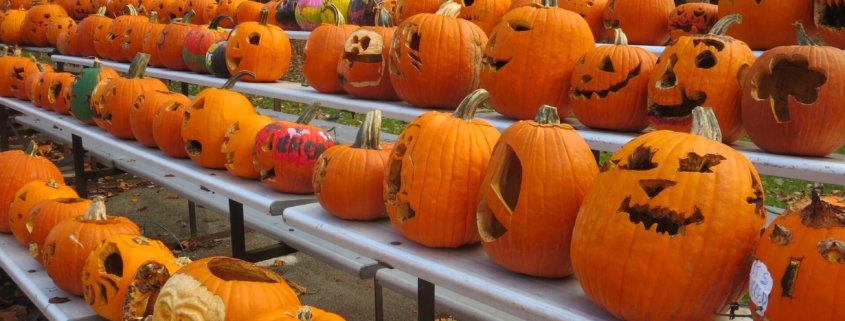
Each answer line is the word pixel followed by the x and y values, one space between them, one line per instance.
pixel 83 88
pixel 57 26
pixel 150 44
pixel 776 16
pixel 700 70
pixel 363 66
pixel 535 183
pixel 830 20
pixel 361 164
pixel 228 8
pixel 591 10
pixel 692 18
pixel 144 110
pixel 222 288
pixel 207 118
pixel 644 21
pixel 44 215
pixel 19 168
pixel 10 28
pixel 6 62
pixel 520 81
pixel 132 40
pixel 321 50
pixel 215 59
pixel 791 101
pixel 170 40
pixel 285 15
pixel 416 58
pixel 609 86
pixel 53 92
pixel 199 39
pixel 70 242
pixel 238 143
pixel 663 195
pixel 146 284
pixel 408 8
pixel 429 211
pixel 167 130
pixel 117 31
pixel 285 153
pixel 251 44
pixel 27 196
pixel 112 109
pixel 37 19
pixel 86 31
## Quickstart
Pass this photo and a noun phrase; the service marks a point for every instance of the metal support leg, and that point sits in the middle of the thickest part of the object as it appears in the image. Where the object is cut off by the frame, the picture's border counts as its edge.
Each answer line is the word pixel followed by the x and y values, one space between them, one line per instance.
pixel 277 104
pixel 79 166
pixel 425 300
pixel 597 155
pixel 4 130
pixel 192 217
pixel 184 88
pixel 60 66
pixel 379 300
pixel 236 222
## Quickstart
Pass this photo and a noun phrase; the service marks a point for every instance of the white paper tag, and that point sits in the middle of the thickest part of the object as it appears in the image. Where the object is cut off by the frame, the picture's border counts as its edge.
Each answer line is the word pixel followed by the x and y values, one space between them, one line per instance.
pixel 760 286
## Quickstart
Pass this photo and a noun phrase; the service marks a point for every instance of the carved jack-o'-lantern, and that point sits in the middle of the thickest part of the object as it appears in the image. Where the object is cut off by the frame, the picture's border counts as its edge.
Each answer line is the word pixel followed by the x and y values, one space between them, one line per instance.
pixel 253 44
pixel 663 197
pixel 486 14
pixel 776 16
pixel 37 19
pixel 700 70
pixel 830 19
pixel 590 10
pixel 362 69
pixel 645 21
pixel 692 18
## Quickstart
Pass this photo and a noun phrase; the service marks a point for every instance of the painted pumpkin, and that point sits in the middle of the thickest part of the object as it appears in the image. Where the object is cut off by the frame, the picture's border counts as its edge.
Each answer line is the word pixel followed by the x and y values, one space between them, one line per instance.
pixel 361 12
pixel 692 18
pixel 22 167
pixel 44 215
pixel 37 19
pixel 82 89
pixel 167 130
pixel 170 42
pixel 328 16
pixel 285 15
pixel 215 59
pixel 644 21
pixel 144 110
pixel 251 44
pixel 321 50
pixel 828 19
pixel 362 69
pixel 238 143
pixel 777 16
pixel 197 42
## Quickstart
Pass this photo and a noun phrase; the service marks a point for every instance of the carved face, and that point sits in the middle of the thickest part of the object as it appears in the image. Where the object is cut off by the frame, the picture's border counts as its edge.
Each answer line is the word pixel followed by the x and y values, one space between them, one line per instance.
pixel 829 19
pixel 692 18
pixel 251 45
pixel 362 68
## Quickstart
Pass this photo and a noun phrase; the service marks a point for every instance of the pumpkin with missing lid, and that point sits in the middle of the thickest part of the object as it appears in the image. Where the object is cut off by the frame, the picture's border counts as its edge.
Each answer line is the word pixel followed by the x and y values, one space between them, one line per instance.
pixel 20 168
pixel 111 110
pixel 167 130
pixel 321 50
pixel 238 143
pixel 144 110
pixel 693 18
pixel 644 21
pixel 82 90
pixel 362 69
pixel 146 284
pixel 44 215
pixel 253 43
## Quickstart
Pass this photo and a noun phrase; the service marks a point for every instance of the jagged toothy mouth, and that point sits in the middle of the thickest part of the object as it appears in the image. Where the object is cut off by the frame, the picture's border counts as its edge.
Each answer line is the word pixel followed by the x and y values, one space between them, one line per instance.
pixel 667 221
pixel 680 114
pixel 493 64
pixel 830 16
pixel 589 94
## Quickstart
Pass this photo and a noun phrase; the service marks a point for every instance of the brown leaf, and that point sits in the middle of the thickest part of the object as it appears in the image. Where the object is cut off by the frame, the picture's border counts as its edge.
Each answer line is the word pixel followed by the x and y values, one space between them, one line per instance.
pixel 173 197
pixel 57 300
pixel 278 262
pixel 109 194
pixel 298 289
pixel 836 192
pixel 141 209
pixel 15 312
pixel 123 186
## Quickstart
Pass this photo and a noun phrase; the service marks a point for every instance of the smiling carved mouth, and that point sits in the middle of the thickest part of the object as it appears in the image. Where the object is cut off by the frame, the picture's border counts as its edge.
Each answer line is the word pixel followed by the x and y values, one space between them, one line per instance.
pixel 680 114
pixel 493 64
pixel 667 221
pixel 588 94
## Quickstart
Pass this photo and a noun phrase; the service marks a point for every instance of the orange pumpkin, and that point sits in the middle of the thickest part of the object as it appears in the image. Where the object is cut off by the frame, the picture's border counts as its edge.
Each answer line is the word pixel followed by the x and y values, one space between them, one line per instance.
pixel 591 10
pixel 324 45
pixel 167 130
pixel 150 46
pixel 10 28
pixel 29 84
pixel 169 42
pixel 102 46
pixel 249 11
pixel 57 26
pixel 408 8
pixel 27 196
pixel 363 66
pixel 198 6
pixel 777 16
pixel 132 40
pixel 37 19
pixel 238 143
pixel 644 21
pixel 44 215
pixel 19 168
pixel 144 110
pixel 146 284
pixel 18 74
pixel 40 89
pixel 228 8
pixel 116 32
pixel 119 6
pixel 161 8
pixel 246 52
pixel 294 313
pixel 176 9
pixel 79 9
pixel 486 14
pixel 6 62
pixel 832 30
pixel 53 92
pixel 66 42
pixel 86 31
pixel 692 18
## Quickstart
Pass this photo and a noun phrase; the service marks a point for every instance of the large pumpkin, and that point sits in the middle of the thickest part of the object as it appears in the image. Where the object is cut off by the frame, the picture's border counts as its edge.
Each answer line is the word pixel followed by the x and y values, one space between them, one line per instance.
pixel 361 164
pixel 117 31
pixel 644 21
pixel 692 18
pixel 144 110
pixel 170 40
pixel 408 8
pixel 70 242
pixel 829 21
pixel 324 46
pixel 362 69
pixel 167 130
pixel 19 168
pixel 253 44
pixel 430 198
pixel 82 89
pixel 663 195
pixel 197 42
pixel 44 215
pixel 37 19
pixel 791 99
pixel 777 16
pixel 86 31
pixel 10 28
pixel 238 143
pixel 535 183
pixel 417 57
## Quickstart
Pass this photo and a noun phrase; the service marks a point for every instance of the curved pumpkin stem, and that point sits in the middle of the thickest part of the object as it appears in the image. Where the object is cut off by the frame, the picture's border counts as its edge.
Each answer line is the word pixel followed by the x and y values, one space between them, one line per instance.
pixel 547 115
pixel 216 21
pixel 803 38
pixel 370 132
pixel 466 110
pixel 449 9
pixel 153 17
pixel 188 17
pixel 130 10
pixel 339 20
pixel 17 52
pixel 619 37
pixel 97 63
pixel 101 11
pixel 704 124
pixel 721 26
pixel 309 113
pixel 39 66
pixel 549 3
pixel 232 80
pixel 97 210
pixel 383 18
pixel 32 149
pixel 262 16
pixel 138 66
pixel 52 184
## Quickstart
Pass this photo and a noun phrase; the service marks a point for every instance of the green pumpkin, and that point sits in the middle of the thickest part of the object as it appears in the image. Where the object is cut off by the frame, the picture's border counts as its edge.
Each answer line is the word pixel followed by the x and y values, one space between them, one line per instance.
pixel 80 91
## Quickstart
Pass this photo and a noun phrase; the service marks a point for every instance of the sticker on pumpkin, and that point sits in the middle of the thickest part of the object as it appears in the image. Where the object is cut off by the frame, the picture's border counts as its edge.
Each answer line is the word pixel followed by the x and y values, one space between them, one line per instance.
pixel 760 286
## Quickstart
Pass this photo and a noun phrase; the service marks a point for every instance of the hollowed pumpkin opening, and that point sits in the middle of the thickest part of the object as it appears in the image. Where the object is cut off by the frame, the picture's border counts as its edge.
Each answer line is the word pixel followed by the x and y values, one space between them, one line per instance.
pixel 787 282
pixel 23 196
pixel 699 164
pixel 758 199
pixel 268 143
pixel 653 187
pixel 394 184
pixel 682 110
pixel 144 289
pixel 235 270
pixel 113 263
pixel 185 118
pixel 54 90
pixel 705 60
pixel 193 147
pixel 669 79
pixel 30 221
pixel 318 180
pixel 107 117
pixel 780 235
pixel 832 16
pixel 710 43
pixel 640 159
pixel 18 72
pixel 667 221
pixel 507 180
pixel 612 88
pixel 232 62
pixel 832 250
pixel 489 226
pixel 790 76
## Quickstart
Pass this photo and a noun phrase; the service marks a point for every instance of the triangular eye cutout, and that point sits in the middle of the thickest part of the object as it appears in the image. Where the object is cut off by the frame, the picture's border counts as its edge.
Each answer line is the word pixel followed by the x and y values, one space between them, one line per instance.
pixel 23 196
pixel 606 65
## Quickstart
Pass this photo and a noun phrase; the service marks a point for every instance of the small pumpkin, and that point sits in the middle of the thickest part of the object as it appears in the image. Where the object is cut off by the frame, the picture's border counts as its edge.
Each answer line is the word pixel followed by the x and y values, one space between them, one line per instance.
pixel 215 59
pixel 170 40
pixel 198 40
pixel 828 15
pixel 52 93
pixel 229 8
pixel 167 130
pixel 321 50
pixel 57 26
pixel 132 40
pixel 253 43
pixel 86 31
pixel 149 44
pixel 776 16
pixel 285 15
pixel 363 66
pixel 10 28
pixel 83 88
pixel 238 143
pixel 117 30
pixel 37 19
pixel 144 110
pixel 693 18
pixel 644 21
pixel 361 164
pixel 44 215
pixel 19 168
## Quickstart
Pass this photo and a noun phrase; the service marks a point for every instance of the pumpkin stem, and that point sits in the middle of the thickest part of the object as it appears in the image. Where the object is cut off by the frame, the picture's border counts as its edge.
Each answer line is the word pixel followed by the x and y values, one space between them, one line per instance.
pixel 466 110
pixel 153 17
pixel 383 18
pixel 138 66
pixel 188 17
pixel 304 313
pixel 339 20
pixel 101 11
pixel 183 260
pixel 619 37
pixel 52 184
pixel 803 38
pixel 232 80
pixel 721 26
pixel 17 52
pixel 262 16
pixel 547 115
pixel 369 133
pixel 216 21
pixel 39 66
pixel 549 3
pixel 818 213
pixel 32 149
pixel 130 10
pixel 309 113
pixel 449 9
pixel 704 124
pixel 97 63
pixel 97 210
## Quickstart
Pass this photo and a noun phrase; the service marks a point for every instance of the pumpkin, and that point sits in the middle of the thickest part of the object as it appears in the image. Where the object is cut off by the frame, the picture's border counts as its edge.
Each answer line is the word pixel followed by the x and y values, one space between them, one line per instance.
pixel 132 40
pixel 360 164
pixel 321 50
pixel 167 130
pixel 169 42
pixel 121 5
pixel 285 153
pixel 117 31
pixel 176 10
pixel 70 242
pixel 238 142
pixel 13 3
pixel 486 14
pixel 40 86
pixel 229 8
pixel 86 31
pixel 271 9
pixel 52 93
pixel 308 13
pixel 94 6
pixel 146 284
pixel 37 19
pixel 83 88
pixel 360 12
pixel 161 8
pixel 19 72
pixel 790 101
pixel 591 10
pixel 44 215
pixel 20 168
pixel 10 28
pixel 328 16
pixel 408 8
pixel 692 18
pixel 416 58
pixel 362 69
pixel 198 6
pixel 215 59
pixel 520 81
pixel 197 42
pixel 526 213
pixel 776 16
pixel 294 313
pixel 208 13
pixel 112 109
pixel 150 43
pixel 29 87
pixel 207 118
pixel 79 9
pixel 6 63
pixel 609 86
pixel 251 44
pixel 101 39
pixel 663 194
pixel 66 42
pixel 802 252
pixel 57 26
pixel 111 267
pixel 828 20
pixel 221 288
pixel 144 110
pixel 644 21
pixel 144 7
pixel 286 15
pixel 248 11
pixel 26 197
pixel 425 210
pixel 700 70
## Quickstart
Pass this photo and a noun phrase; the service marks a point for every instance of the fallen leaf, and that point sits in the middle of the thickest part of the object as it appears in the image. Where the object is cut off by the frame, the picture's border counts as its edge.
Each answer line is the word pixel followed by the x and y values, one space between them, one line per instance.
pixel 169 175
pixel 130 160
pixel 204 188
pixel 173 197
pixel 123 186
pixel 109 194
pixel 58 299
pixel 836 192
pixel 141 209
pixel 133 200
pixel 278 263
